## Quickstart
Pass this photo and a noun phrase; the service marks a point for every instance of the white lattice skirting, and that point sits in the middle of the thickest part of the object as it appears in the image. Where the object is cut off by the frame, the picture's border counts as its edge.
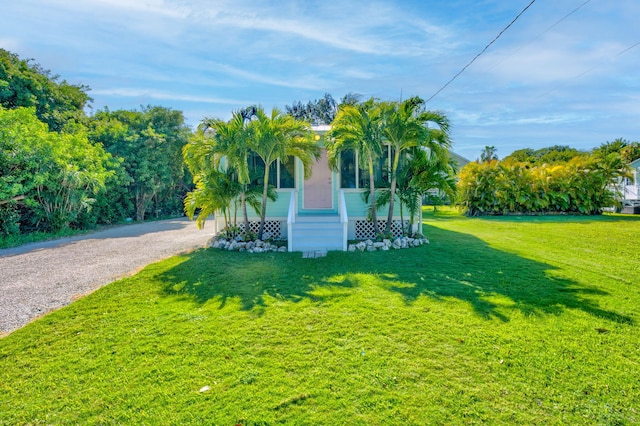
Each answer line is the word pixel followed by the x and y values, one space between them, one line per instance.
pixel 272 228
pixel 365 230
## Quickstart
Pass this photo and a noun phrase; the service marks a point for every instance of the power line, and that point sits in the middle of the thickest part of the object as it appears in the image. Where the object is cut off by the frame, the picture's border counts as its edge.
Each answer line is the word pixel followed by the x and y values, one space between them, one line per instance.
pixel 482 51
pixel 577 76
pixel 564 18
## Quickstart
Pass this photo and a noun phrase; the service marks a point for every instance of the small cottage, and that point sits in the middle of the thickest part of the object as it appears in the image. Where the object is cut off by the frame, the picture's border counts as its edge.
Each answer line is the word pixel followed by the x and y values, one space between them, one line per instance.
pixel 326 210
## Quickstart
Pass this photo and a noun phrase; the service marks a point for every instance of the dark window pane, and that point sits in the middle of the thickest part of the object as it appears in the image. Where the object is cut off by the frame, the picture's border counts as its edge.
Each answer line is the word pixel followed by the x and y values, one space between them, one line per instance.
pixel 256 169
pixel 273 174
pixel 286 173
pixel 348 169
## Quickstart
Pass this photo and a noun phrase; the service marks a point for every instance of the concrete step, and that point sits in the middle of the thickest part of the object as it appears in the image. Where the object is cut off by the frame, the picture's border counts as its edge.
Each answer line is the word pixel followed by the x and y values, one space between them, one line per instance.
pixel 317 233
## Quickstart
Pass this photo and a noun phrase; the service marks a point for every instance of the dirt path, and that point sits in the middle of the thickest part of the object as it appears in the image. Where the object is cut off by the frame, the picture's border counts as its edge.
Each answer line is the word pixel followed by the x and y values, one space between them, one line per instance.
pixel 37 278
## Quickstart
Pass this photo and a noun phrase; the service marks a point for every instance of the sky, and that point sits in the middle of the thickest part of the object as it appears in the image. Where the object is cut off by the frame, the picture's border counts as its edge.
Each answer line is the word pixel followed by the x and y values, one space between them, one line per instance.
pixel 566 72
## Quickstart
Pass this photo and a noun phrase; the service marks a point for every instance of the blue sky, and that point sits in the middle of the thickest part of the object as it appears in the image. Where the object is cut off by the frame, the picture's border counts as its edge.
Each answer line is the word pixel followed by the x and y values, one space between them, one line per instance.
pixel 546 81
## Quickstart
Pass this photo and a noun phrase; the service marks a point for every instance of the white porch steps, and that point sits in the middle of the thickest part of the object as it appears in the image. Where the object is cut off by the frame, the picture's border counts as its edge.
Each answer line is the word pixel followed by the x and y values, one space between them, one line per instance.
pixel 317 233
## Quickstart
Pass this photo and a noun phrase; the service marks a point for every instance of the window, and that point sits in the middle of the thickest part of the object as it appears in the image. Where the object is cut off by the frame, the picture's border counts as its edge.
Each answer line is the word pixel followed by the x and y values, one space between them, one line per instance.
pixel 280 174
pixel 352 176
pixel 286 173
pixel 348 169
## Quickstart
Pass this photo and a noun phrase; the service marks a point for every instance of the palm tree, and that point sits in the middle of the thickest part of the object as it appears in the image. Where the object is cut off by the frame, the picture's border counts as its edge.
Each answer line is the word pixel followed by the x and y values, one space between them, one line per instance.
pixel 215 191
pixel 358 127
pixel 231 151
pixel 488 154
pixel 280 136
pixel 407 126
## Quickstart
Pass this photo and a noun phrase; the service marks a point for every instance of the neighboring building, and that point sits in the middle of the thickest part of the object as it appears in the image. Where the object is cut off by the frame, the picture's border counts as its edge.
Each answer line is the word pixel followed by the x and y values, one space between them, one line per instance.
pixel 324 211
pixel 631 187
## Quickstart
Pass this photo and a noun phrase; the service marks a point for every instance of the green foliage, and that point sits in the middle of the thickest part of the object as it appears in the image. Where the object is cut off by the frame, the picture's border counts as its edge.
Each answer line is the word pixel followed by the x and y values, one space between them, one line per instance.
pixel 409 128
pixel 628 151
pixel 412 132
pixel 280 136
pixel 582 185
pixel 319 111
pixel 24 83
pixel 488 154
pixel 47 179
pixel 217 156
pixel 359 127
pixel 500 320
pixel 148 143
pixel 549 155
pixel 75 176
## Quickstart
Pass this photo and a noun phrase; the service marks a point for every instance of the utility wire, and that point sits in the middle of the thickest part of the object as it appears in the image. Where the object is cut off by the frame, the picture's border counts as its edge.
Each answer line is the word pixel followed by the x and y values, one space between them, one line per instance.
pixel 482 51
pixel 564 18
pixel 622 52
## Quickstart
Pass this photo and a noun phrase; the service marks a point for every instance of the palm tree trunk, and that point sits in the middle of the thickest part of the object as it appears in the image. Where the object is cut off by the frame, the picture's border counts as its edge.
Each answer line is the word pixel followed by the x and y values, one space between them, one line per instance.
pixel 265 191
pixel 402 218
pixel 243 201
pixel 372 191
pixel 394 183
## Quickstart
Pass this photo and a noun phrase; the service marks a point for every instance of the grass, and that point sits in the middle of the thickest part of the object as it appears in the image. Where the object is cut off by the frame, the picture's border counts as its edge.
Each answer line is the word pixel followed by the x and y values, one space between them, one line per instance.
pixel 499 320
pixel 15 240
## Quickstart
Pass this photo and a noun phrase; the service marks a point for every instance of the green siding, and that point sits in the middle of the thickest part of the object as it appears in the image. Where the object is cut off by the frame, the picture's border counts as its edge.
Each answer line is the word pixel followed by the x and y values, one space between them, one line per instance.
pixel 356 207
pixel 278 208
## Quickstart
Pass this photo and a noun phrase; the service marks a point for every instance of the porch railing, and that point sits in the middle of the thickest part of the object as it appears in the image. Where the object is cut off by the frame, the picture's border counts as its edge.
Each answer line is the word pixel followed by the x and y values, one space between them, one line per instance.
pixel 291 219
pixel 344 218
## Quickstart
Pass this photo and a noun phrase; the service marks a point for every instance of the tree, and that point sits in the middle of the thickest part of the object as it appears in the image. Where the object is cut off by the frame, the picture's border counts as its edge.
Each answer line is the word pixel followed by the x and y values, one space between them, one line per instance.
pixel 216 140
pixel 488 154
pixel 431 173
pixel 55 177
pixel 360 128
pixel 24 83
pixel 581 185
pixel 548 155
pixel 278 137
pixel 149 142
pixel 631 152
pixel 407 125
pixel 319 111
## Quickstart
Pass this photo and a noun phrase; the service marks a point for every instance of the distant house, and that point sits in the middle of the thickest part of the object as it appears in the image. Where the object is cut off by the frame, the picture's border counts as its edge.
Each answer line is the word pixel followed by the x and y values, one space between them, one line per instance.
pixel 631 187
pixel 326 210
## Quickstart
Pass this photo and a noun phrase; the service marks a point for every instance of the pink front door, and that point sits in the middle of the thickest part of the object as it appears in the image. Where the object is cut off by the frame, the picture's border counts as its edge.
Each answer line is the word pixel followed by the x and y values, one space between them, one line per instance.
pixel 318 189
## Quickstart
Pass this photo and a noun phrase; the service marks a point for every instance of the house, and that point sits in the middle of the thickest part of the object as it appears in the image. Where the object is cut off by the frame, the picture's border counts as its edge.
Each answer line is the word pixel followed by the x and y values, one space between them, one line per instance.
pixel 326 210
pixel 631 189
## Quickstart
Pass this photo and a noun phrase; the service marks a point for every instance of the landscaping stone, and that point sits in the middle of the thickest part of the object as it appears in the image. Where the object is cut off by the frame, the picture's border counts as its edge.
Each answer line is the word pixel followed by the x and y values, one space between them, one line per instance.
pixel 259 246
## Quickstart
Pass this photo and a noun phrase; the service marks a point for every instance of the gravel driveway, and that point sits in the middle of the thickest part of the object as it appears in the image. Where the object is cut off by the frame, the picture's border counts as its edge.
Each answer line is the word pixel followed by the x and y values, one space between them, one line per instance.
pixel 37 278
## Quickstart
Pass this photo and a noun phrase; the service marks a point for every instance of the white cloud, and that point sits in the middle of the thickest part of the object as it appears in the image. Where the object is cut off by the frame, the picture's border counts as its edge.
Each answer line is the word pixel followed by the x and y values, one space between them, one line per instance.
pixel 166 96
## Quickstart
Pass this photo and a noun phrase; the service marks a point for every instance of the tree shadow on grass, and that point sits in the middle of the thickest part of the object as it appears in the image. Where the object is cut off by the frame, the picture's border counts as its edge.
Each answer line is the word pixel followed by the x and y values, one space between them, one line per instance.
pixel 454 265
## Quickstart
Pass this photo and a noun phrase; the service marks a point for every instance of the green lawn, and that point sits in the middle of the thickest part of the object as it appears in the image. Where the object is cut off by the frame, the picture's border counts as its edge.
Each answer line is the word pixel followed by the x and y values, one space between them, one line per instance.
pixel 502 320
